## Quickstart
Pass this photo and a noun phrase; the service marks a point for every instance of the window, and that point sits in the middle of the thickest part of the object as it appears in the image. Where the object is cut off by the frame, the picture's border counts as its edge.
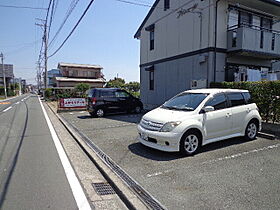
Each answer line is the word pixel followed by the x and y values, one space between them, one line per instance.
pixel 261 43
pixel 151 79
pixel 236 99
pixel 273 42
pixel 266 23
pixel 245 19
pixel 151 29
pixel 218 102
pixel 247 97
pixel 107 93
pixel 152 39
pixel 185 101
pixel 121 94
pixel 234 39
pixel 166 4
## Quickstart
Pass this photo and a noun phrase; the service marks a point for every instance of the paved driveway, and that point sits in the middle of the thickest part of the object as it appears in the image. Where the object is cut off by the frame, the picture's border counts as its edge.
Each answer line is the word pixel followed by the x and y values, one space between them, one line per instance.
pixel 232 174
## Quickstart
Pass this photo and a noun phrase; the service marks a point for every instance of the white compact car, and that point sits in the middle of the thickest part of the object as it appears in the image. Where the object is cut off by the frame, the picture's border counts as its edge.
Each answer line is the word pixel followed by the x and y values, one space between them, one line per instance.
pixel 195 118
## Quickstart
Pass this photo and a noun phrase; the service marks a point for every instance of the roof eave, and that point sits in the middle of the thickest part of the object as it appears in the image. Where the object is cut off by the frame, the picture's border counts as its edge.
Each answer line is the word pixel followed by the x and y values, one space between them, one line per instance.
pixel 138 32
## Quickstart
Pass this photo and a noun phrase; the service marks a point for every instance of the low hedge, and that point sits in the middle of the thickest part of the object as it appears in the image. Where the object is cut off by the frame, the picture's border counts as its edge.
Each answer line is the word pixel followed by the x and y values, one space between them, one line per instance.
pixel 266 94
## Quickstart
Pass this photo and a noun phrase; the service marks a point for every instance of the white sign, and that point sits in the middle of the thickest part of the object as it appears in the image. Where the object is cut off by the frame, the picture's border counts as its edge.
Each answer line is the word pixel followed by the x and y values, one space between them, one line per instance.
pixel 73 102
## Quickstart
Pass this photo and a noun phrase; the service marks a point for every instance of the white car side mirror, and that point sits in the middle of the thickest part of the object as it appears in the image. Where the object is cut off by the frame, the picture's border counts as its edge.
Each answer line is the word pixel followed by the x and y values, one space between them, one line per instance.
pixel 208 108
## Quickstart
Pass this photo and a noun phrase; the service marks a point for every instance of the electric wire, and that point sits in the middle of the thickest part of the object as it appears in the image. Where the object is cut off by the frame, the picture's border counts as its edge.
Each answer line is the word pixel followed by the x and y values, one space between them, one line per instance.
pixel 72 29
pixel 51 17
pixel 68 13
pixel 22 7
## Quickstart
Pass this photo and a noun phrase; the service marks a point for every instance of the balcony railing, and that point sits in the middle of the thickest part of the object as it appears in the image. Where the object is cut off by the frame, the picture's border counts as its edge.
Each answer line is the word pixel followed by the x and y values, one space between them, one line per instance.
pixel 256 41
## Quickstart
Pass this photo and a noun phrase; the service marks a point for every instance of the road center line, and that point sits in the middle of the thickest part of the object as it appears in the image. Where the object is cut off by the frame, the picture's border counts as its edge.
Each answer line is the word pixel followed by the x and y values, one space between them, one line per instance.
pixel 7 109
pixel 74 183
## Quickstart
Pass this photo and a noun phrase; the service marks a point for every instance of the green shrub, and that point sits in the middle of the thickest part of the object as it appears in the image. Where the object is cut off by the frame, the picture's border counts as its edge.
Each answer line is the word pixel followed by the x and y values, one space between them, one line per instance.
pixel 266 94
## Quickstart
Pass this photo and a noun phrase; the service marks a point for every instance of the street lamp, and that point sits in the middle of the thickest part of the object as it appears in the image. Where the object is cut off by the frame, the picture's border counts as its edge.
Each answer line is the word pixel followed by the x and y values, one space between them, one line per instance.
pixel 4 78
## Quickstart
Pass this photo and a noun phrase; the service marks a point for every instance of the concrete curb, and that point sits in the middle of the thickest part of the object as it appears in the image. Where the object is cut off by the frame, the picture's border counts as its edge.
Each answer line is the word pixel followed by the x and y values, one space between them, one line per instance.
pixel 130 199
pixel 266 135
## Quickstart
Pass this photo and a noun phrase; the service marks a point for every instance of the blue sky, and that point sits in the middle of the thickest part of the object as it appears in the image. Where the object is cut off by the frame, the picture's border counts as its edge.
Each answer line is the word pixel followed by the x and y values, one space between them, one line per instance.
pixel 104 37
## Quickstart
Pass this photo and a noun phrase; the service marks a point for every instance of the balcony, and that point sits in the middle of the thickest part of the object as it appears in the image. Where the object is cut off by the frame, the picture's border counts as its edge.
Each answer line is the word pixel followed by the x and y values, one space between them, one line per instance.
pixel 254 42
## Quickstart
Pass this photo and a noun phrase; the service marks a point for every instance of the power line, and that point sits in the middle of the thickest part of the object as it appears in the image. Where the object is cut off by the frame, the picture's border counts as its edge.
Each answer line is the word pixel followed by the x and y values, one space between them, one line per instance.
pixel 73 28
pixel 51 18
pixel 134 3
pixel 22 7
pixel 68 13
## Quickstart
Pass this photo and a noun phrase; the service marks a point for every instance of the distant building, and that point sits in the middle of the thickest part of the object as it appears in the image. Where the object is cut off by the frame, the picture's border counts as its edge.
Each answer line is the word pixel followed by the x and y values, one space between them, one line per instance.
pixel 51 77
pixel 73 74
pixel 9 74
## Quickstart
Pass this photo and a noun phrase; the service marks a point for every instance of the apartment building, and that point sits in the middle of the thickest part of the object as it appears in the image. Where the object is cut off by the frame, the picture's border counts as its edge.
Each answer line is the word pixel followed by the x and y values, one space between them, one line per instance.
pixel 187 44
pixel 73 74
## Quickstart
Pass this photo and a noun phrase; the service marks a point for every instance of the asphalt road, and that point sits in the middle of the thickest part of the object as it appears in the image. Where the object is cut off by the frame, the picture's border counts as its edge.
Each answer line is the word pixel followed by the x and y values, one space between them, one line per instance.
pixel 31 173
pixel 232 174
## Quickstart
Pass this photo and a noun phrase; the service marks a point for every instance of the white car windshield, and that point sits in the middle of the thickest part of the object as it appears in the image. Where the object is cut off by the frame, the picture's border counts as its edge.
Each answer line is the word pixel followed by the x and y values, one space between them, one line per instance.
pixel 185 101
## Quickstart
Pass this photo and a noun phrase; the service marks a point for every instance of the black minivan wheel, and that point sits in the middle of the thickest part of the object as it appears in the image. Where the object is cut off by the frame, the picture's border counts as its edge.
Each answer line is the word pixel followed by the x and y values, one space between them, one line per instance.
pixel 137 110
pixel 190 143
pixel 100 112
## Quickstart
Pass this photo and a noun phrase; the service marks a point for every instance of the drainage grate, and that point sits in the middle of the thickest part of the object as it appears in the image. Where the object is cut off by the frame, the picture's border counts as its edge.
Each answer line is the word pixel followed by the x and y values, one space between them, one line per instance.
pixel 149 200
pixel 103 188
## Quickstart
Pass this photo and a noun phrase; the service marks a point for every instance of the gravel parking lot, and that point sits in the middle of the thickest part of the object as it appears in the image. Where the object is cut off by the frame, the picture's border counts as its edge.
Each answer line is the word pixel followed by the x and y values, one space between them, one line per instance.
pixel 232 174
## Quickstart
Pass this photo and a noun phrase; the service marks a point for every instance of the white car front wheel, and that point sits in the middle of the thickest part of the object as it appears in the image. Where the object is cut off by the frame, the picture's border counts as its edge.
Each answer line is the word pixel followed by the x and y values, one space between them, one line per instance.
pixel 190 143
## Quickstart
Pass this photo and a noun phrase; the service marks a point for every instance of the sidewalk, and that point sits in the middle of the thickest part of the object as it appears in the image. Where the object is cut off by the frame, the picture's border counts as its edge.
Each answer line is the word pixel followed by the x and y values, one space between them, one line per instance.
pixel 92 172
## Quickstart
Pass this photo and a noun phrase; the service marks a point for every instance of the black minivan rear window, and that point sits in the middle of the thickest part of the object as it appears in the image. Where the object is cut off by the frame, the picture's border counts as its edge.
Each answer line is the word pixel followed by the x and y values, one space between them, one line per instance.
pixel 91 93
pixel 107 93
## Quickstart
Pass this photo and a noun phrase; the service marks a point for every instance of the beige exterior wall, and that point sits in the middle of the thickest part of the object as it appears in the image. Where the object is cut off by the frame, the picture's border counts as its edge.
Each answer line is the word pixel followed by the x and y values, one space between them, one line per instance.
pixel 175 36
pixel 81 72
pixel 184 30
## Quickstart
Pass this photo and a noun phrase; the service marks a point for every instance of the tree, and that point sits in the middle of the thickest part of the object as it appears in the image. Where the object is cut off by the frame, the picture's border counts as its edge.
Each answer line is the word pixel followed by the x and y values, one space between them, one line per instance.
pixel 116 83
pixel 133 86
pixel 82 88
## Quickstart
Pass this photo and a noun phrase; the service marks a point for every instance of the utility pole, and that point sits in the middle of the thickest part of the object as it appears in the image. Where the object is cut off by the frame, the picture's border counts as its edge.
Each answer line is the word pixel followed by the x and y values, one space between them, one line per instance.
pixel 46 56
pixel 20 86
pixel 4 77
pixel 45 41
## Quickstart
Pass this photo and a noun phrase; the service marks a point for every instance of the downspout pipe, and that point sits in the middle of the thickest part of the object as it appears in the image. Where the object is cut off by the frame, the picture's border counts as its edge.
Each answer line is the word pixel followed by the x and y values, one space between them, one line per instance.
pixel 215 41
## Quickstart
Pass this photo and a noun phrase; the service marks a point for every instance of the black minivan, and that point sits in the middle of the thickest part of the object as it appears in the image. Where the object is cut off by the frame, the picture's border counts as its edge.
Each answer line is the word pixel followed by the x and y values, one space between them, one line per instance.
pixel 101 101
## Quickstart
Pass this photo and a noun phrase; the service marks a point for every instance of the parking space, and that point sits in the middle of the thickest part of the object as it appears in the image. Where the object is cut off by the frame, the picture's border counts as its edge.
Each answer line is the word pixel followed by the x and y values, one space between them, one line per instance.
pixel 232 174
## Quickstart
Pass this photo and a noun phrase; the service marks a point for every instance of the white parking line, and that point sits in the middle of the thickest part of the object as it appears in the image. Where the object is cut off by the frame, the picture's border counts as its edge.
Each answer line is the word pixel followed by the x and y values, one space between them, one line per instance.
pixel 7 109
pixel 220 159
pixel 74 183
pixel 17 102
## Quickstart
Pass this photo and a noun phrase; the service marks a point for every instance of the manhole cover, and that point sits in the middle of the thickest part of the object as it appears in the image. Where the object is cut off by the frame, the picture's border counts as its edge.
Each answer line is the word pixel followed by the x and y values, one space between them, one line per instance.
pixel 103 188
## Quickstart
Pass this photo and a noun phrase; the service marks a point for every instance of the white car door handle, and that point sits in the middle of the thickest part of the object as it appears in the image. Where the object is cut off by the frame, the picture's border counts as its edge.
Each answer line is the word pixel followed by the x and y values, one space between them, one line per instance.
pixel 228 114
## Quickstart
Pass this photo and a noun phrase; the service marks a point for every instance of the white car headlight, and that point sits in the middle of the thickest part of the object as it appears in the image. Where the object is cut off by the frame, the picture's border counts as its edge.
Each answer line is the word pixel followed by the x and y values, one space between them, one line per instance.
pixel 167 127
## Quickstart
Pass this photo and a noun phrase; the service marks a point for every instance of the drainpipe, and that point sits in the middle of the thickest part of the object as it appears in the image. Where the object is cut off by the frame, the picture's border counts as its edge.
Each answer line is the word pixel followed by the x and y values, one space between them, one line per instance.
pixel 215 42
